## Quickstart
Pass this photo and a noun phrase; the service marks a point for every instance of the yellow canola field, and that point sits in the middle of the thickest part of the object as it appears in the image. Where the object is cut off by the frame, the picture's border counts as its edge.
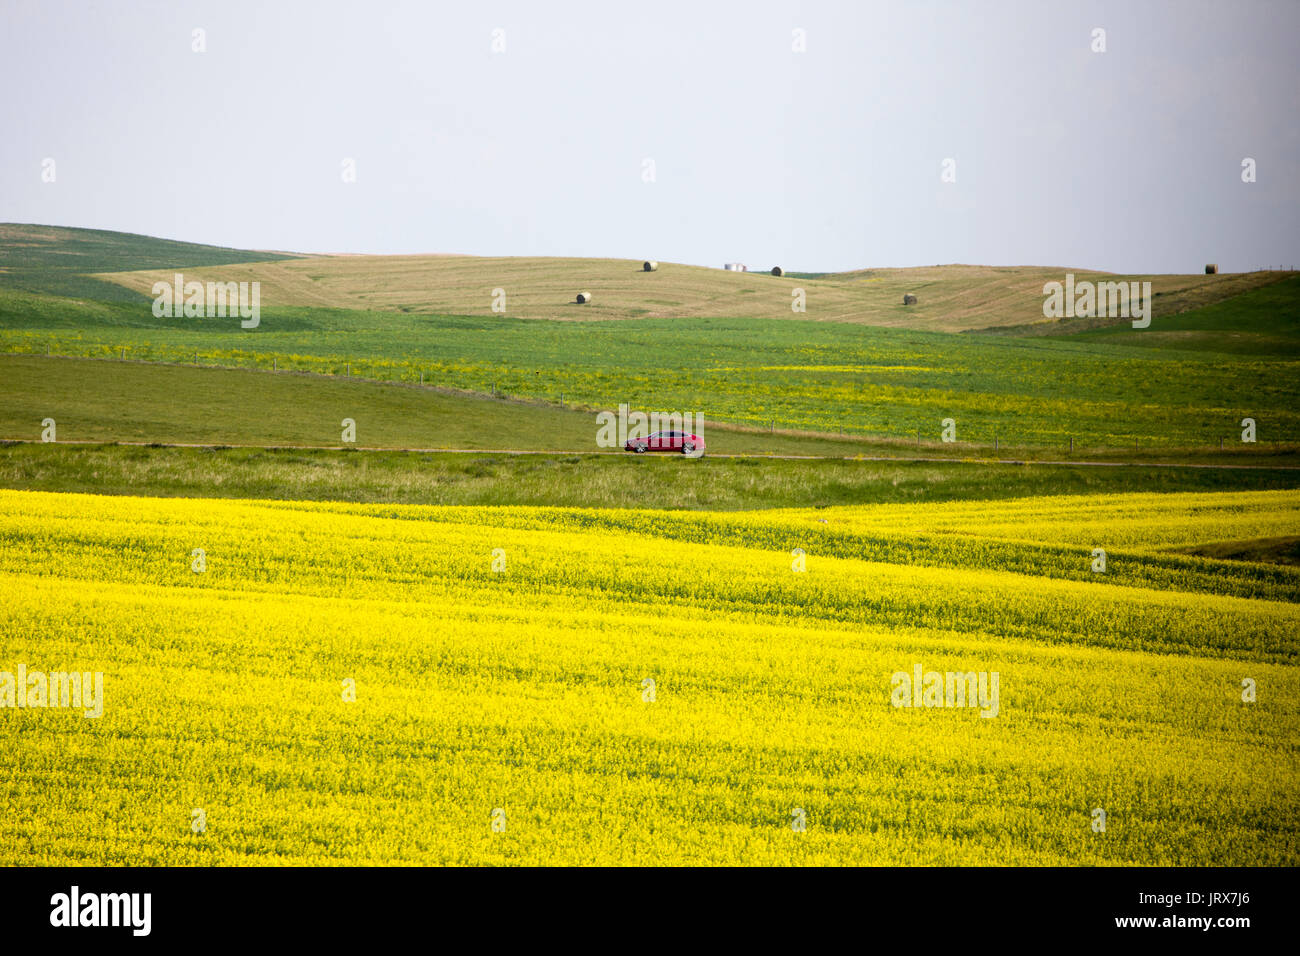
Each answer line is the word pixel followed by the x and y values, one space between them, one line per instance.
pixel 561 686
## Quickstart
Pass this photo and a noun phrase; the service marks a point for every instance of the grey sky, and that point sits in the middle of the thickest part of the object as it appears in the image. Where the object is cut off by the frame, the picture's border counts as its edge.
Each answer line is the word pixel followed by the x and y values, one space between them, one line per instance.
pixel 1128 160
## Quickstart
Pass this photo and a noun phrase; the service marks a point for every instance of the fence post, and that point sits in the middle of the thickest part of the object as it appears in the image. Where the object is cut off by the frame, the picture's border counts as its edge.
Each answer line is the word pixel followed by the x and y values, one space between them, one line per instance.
pixel 1071 444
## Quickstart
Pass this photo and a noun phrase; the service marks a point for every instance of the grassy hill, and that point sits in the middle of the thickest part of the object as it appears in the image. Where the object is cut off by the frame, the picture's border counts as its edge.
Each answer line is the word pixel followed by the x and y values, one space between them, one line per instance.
pixel 1197 375
pixel 1261 321
pixel 59 261
pixel 122 267
pixel 950 298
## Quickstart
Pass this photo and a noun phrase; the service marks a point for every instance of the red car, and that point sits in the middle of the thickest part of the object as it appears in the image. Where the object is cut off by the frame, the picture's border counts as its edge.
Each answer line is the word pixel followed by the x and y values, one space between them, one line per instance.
pixel 683 442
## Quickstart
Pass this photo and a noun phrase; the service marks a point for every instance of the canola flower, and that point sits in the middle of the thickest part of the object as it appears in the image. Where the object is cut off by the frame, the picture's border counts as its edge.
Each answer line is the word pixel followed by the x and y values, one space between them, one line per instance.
pixel 384 684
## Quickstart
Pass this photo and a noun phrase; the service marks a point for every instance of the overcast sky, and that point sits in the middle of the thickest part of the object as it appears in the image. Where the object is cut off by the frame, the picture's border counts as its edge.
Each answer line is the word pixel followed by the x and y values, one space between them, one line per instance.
pixel 1127 160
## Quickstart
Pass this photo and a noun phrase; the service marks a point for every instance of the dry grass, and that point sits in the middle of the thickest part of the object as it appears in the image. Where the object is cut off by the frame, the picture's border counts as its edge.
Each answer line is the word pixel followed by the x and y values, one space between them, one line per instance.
pixel 951 298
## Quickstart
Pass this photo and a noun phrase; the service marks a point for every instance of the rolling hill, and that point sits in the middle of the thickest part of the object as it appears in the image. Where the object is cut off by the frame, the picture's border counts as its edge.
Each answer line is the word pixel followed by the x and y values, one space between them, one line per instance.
pixel 58 260
pixel 954 298
pixel 112 266
pixel 718 343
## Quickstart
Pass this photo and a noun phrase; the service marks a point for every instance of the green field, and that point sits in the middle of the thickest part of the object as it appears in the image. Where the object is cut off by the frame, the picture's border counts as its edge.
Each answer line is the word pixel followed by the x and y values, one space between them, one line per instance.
pixel 586 481
pixel 1198 375
pixel 1263 322
pixel 102 400
pixel 802 376
pixel 52 260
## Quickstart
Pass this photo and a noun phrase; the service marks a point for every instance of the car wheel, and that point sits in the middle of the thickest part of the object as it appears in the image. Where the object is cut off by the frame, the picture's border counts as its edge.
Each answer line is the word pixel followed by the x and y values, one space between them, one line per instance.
pixel 688 448
pixel 639 449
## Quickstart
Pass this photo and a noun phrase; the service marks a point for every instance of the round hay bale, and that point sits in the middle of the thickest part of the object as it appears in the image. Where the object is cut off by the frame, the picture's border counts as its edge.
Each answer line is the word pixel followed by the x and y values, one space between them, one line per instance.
pixel 909 299
pixel 777 271
pixel 584 298
pixel 1211 269
pixel 649 266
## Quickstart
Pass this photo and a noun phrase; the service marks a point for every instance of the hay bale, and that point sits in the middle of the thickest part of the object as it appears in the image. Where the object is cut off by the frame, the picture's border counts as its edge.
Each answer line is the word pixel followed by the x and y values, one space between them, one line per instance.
pixel 649 266
pixel 909 299
pixel 777 271
pixel 1211 269
pixel 584 298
